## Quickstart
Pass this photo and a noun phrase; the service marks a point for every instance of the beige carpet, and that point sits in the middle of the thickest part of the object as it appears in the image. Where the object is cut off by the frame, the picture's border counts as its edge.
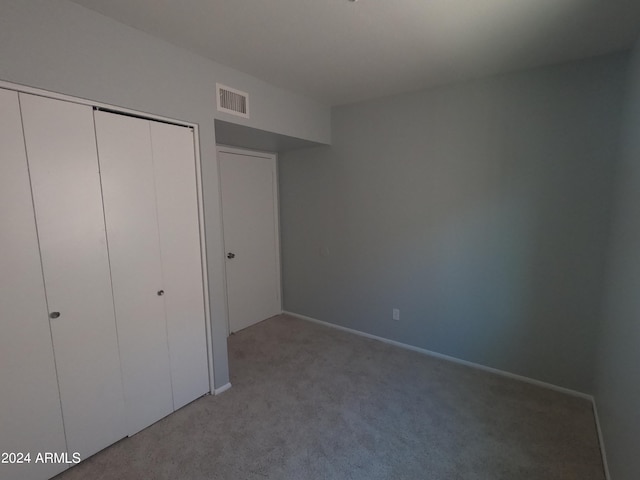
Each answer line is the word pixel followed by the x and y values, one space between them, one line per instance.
pixel 310 402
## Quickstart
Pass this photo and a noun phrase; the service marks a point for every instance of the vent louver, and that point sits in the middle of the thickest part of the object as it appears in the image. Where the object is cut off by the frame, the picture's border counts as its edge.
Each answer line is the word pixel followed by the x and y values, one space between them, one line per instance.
pixel 232 101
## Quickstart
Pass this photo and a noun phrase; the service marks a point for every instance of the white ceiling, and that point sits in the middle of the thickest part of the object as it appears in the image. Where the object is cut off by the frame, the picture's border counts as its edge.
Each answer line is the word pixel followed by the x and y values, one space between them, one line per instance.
pixel 338 51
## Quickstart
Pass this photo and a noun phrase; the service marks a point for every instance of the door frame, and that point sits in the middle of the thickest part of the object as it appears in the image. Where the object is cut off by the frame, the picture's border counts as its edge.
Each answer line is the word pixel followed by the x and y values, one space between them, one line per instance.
pixel 276 208
pixel 199 187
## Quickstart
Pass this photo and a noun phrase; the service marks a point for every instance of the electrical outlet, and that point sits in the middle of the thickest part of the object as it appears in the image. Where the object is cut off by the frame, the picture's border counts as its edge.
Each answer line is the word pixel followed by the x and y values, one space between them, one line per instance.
pixel 396 314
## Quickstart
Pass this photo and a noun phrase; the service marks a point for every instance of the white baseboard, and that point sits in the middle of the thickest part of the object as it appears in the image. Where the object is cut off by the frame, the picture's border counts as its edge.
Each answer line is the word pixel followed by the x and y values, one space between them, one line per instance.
pixel 449 358
pixel 603 452
pixel 222 389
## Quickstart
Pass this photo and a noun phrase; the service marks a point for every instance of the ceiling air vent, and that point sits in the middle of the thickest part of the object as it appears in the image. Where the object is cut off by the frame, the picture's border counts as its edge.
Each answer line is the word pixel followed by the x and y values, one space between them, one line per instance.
pixel 232 101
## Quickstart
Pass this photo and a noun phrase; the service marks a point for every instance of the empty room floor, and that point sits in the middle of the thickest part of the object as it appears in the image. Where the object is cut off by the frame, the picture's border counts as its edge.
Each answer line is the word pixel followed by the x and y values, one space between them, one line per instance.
pixel 312 402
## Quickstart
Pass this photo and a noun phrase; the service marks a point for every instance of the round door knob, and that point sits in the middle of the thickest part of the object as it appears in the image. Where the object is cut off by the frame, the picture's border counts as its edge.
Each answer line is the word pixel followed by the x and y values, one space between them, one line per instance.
pixel 231 255
pixel 160 293
pixel 54 314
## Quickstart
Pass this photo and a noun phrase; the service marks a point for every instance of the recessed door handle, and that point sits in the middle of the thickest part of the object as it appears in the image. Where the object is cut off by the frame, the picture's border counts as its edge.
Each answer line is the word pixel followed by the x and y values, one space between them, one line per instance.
pixel 231 255
pixel 54 314
pixel 160 293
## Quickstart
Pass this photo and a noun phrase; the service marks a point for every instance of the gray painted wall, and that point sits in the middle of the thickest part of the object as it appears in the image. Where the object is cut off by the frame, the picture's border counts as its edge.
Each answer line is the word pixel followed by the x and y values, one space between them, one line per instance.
pixel 480 210
pixel 618 372
pixel 59 46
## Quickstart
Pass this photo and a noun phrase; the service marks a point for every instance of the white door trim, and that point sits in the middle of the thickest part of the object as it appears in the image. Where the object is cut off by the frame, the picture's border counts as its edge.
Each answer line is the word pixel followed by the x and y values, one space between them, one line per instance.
pixel 84 101
pixel 276 209
pixel 118 109
pixel 203 252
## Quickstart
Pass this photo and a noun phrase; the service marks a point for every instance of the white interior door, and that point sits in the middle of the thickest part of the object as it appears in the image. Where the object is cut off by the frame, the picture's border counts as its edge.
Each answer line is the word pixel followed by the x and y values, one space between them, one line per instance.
pixel 174 167
pixel 126 165
pixel 30 418
pixel 61 152
pixel 250 222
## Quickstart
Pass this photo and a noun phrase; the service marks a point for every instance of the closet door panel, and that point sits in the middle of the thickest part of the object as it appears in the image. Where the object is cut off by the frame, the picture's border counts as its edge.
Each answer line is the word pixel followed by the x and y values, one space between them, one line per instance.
pixel 31 419
pixel 61 152
pixel 178 223
pixel 124 146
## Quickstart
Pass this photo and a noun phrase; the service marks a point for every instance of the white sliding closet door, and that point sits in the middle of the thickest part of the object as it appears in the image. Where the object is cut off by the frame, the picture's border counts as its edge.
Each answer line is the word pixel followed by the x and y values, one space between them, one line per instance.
pixel 126 164
pixel 177 203
pixel 30 418
pixel 61 152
